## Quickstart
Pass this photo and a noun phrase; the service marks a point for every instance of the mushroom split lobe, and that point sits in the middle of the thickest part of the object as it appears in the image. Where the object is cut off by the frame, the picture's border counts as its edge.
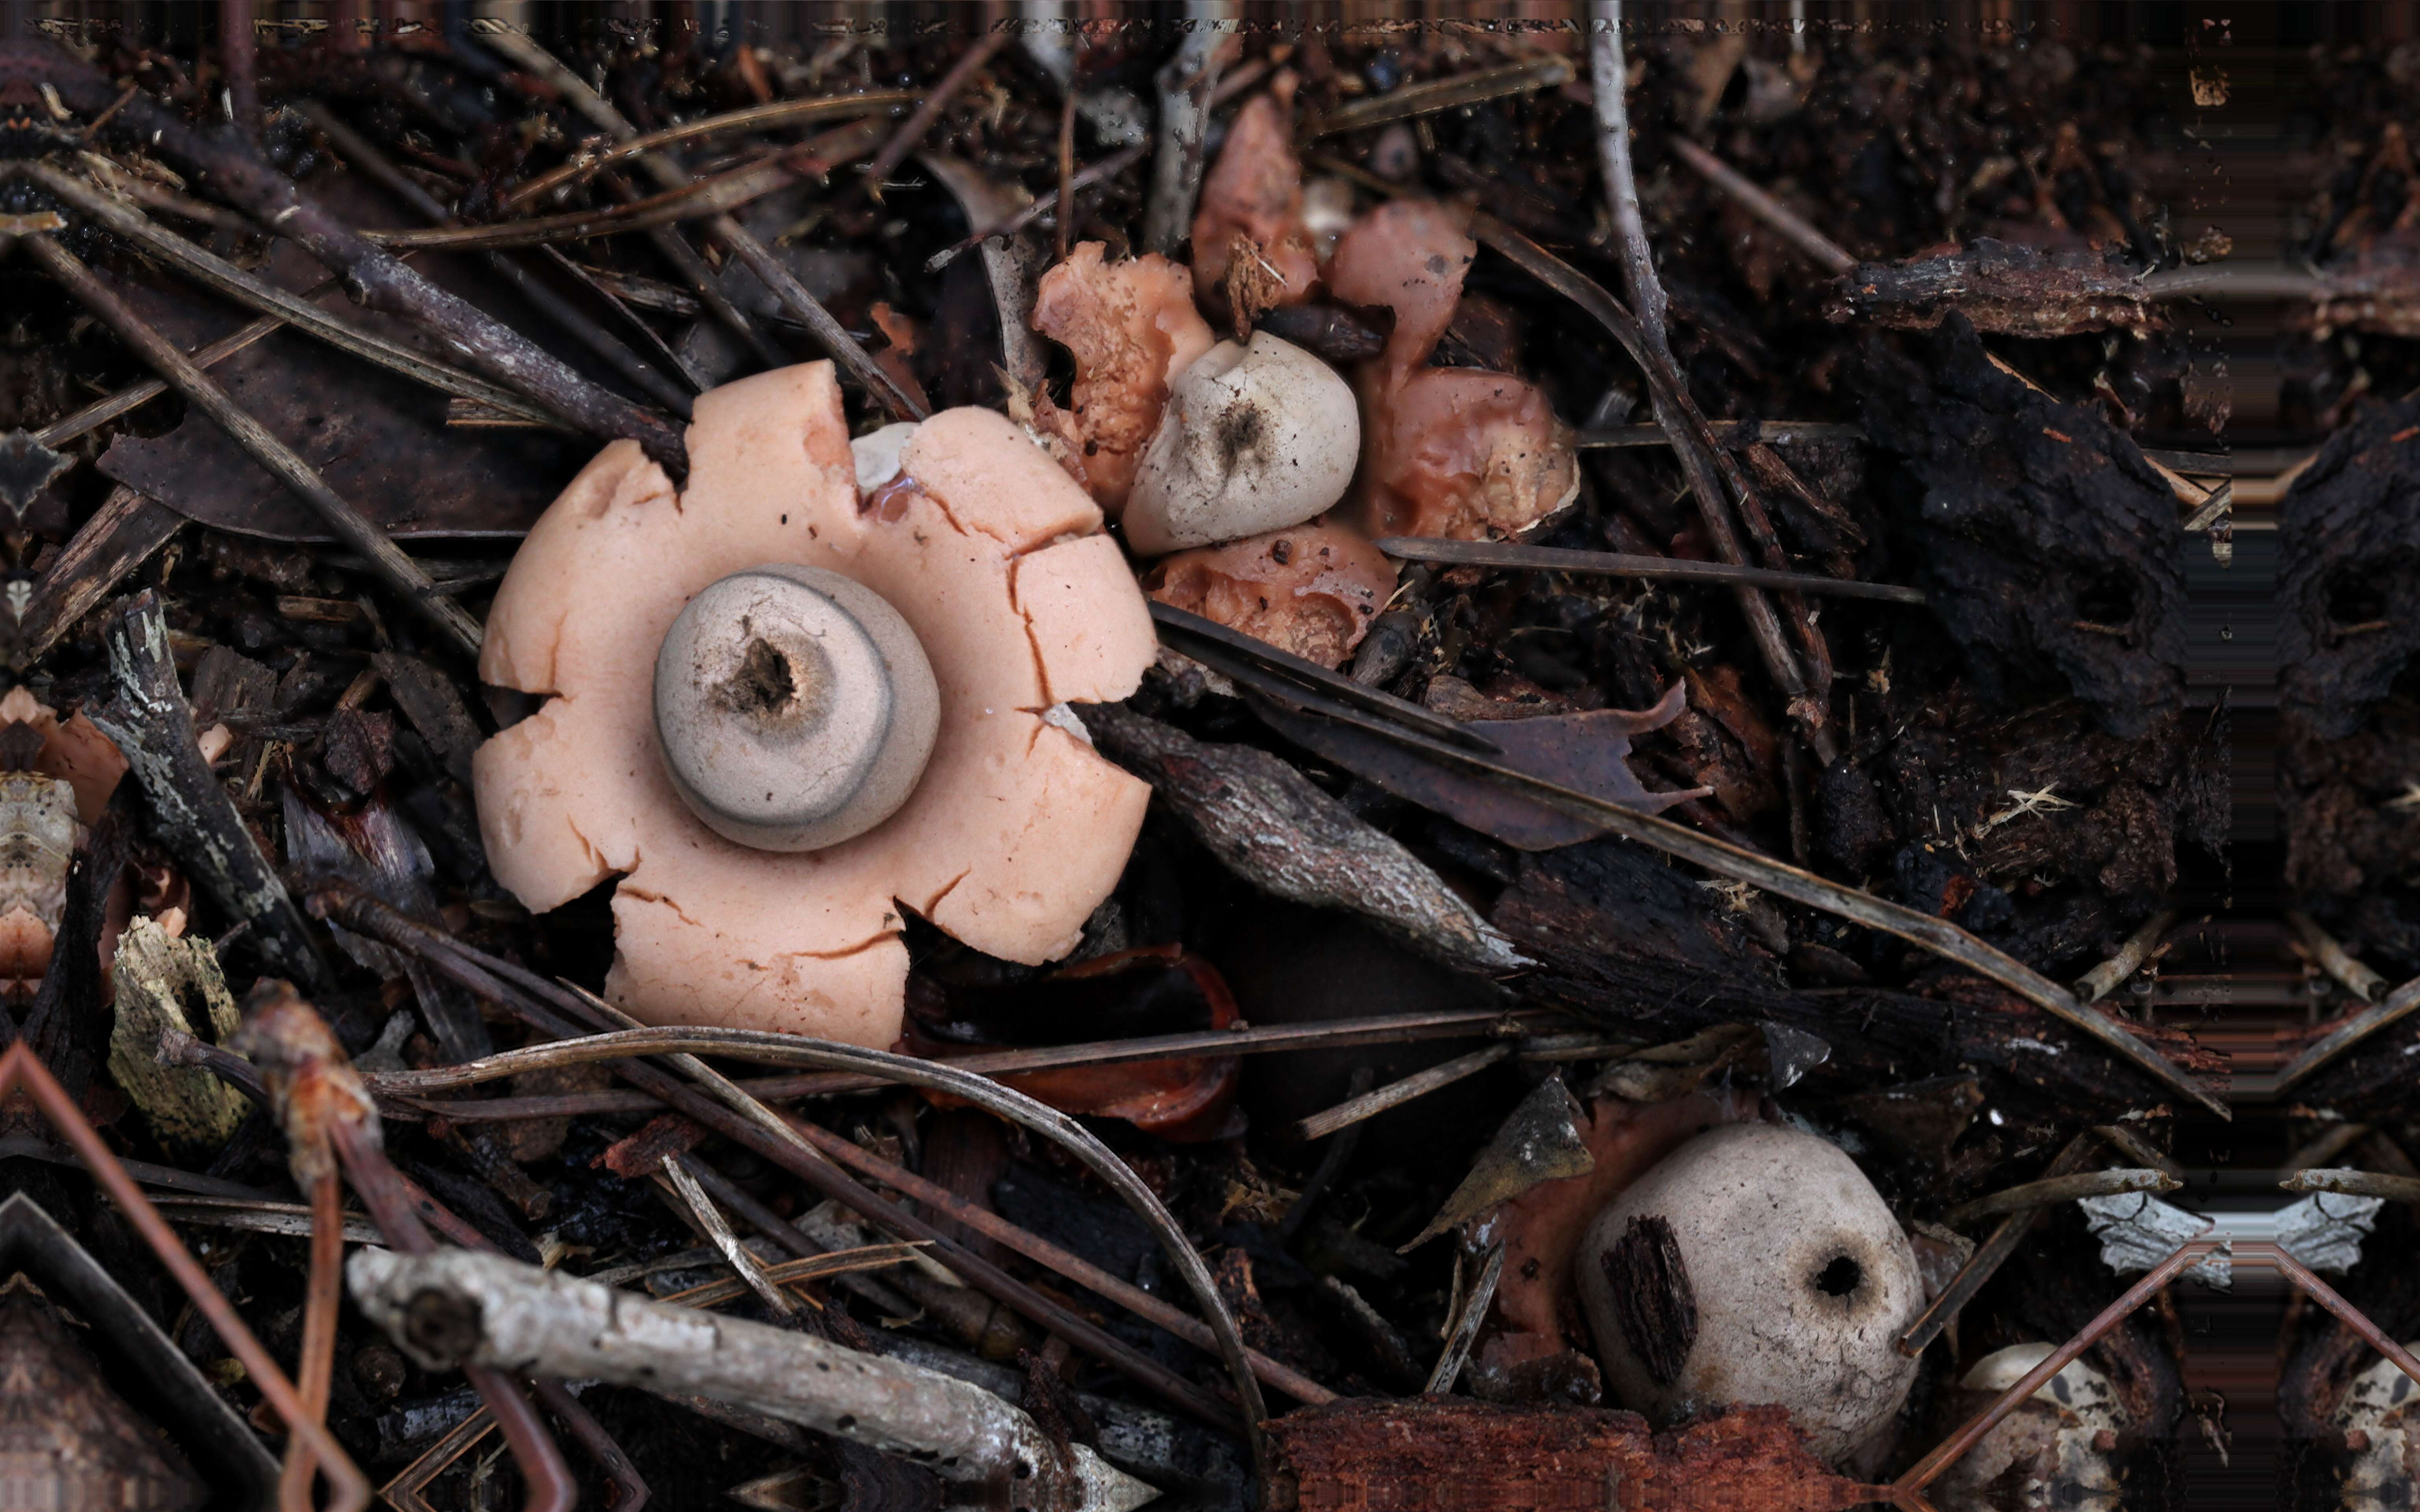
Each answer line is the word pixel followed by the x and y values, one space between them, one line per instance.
pixel 793 708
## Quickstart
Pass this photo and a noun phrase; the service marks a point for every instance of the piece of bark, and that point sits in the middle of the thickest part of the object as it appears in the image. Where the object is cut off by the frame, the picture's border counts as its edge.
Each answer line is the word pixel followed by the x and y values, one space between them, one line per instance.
pixel 192 814
pixel 2004 288
pixel 1429 1455
pixel 1652 1297
pixel 120 536
pixel 157 975
pixel 430 701
pixel 1273 828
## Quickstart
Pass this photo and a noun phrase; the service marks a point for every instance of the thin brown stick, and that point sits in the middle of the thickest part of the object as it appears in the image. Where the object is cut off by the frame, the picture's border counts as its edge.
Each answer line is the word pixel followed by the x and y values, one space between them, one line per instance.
pixel 911 132
pixel 809 311
pixel 1474 88
pixel 550 1486
pixel 416 1477
pixel 1387 1029
pixel 2052 1191
pixel 695 200
pixel 321 1296
pixel 2333 959
pixel 135 395
pixel 1735 435
pixel 1042 1252
pixel 1923 1472
pixel 1822 250
pixel 366 159
pixel 1987 1257
pixel 331 1126
pixel 1066 168
pixel 1395 1094
pixel 768 1048
pixel 1808 687
pixel 770 270
pixel 2139 947
pixel 780 112
pixel 2354 1183
pixel 1109 167
pixel 1194 634
pixel 237 44
pixel 350 525
pixel 574 90
pixel 798 1273
pixel 1618 564
pixel 1707 468
pixel 718 1231
pixel 2392 1008
pixel 376 277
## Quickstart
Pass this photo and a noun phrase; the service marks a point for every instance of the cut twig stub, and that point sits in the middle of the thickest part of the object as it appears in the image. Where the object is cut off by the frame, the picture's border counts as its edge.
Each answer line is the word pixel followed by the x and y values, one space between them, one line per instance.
pixel 1652 1297
pixel 160 978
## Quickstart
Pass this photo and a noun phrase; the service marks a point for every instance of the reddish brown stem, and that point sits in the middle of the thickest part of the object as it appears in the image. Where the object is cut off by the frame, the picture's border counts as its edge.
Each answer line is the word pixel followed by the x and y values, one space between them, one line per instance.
pixel 383 1191
pixel 319 1302
pixel 238 46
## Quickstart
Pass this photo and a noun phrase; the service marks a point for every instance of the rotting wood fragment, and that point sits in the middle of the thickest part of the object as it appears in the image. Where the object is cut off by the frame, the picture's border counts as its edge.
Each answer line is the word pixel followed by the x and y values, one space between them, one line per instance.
pixel 2006 288
pixel 1433 1455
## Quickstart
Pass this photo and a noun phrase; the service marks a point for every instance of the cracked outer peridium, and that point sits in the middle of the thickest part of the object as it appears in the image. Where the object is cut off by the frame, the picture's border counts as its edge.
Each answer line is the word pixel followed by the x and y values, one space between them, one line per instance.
pixel 1019 829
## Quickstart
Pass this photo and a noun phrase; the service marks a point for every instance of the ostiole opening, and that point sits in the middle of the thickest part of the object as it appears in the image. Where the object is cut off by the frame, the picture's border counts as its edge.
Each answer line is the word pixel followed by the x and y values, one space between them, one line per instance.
pixel 763 685
pixel 778 685
pixel 1839 1276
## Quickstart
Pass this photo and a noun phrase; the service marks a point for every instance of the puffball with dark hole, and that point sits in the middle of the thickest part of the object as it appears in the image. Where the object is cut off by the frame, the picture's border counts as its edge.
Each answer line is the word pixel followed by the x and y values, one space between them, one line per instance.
pixel 1754 1265
pixel 1255 439
pixel 794 706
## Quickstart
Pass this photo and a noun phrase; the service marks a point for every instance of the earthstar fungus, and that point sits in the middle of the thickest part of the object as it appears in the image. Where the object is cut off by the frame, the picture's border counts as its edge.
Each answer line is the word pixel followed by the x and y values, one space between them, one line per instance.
pixel 990 556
